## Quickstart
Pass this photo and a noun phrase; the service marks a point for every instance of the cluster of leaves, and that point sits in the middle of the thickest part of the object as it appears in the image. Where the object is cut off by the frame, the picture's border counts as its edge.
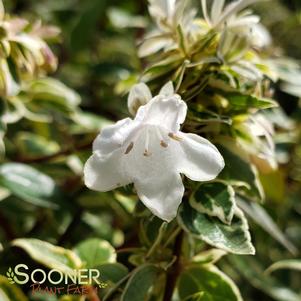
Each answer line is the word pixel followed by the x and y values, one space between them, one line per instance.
pixel 227 75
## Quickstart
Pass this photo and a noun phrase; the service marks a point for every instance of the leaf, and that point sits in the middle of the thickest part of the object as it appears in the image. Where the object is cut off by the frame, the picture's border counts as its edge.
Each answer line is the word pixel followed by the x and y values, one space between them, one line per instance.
pixel 242 102
pixel 42 296
pixel 168 65
pixel 215 199
pixel 32 145
pixel 87 122
pixel 181 39
pixel 94 252
pixel 198 114
pixel 234 238
pixel 291 88
pixel 262 219
pixel 209 256
pixel 86 24
pixel 29 184
pixel 237 169
pixel 140 282
pixel 54 93
pixel 292 264
pixel 49 255
pixel 254 273
pixel 10 292
pixel 113 272
pixel 208 281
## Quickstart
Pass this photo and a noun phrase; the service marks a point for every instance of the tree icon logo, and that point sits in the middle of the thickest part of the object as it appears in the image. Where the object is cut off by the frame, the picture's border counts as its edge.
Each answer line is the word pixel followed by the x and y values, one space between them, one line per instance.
pixel 10 276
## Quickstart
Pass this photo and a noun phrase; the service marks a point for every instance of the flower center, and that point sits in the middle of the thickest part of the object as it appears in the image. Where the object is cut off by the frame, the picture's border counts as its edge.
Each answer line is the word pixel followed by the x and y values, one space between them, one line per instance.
pixel 148 132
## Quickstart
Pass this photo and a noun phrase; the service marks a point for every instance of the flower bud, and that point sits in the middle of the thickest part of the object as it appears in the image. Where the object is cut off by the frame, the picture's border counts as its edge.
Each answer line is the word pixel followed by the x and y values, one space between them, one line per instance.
pixel 139 95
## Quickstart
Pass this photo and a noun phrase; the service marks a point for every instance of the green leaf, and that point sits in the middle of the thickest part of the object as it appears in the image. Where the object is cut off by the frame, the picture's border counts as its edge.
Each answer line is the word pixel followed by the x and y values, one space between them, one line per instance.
pixel 234 238
pixel 113 272
pixel 237 169
pixel 51 92
pixel 92 11
pixel 87 122
pixel 209 256
pixel 29 184
pixel 140 283
pixel 209 282
pixel 10 292
pixel 259 215
pixel 292 264
pixel 94 252
pixel 181 39
pixel 32 145
pixel 215 199
pixel 49 255
pixel 168 65
pixel 242 102
pixel 42 296
pixel 253 272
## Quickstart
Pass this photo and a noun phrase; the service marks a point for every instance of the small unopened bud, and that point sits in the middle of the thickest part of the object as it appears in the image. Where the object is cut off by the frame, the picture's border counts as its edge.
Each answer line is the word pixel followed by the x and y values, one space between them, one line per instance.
pixel 139 95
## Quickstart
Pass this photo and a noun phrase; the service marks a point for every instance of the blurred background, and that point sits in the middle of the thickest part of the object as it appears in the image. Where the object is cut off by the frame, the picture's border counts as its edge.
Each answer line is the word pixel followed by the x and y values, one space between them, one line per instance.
pixel 98 59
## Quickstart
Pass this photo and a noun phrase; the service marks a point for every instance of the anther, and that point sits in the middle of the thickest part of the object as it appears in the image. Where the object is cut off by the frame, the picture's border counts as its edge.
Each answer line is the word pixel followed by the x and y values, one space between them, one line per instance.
pixel 129 148
pixel 175 137
pixel 163 144
pixel 146 153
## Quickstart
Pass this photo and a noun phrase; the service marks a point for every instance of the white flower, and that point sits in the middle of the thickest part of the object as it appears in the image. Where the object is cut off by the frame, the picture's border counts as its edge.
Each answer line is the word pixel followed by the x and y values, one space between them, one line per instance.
pixel 151 152
pixel 262 149
pixel 230 15
pixel 168 15
pixel 260 36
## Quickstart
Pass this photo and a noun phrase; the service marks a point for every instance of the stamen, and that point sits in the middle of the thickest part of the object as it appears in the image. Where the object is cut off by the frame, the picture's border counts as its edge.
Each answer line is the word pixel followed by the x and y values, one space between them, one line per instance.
pixel 146 151
pixel 175 137
pixel 162 142
pixel 129 148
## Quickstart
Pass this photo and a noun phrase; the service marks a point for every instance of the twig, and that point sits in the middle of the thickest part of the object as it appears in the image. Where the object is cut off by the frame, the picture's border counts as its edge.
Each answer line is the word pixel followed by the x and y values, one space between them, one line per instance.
pixel 92 294
pixel 157 241
pixel 116 286
pixel 175 270
pixel 70 229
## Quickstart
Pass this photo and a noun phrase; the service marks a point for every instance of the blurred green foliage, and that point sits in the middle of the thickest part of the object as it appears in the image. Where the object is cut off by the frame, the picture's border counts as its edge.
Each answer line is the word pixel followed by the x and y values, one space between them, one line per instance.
pixel 52 138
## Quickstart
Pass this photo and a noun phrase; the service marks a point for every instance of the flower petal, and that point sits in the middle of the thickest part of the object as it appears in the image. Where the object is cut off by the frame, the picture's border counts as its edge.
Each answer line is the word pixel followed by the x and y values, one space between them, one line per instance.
pixel 198 159
pixel 150 164
pixel 216 10
pixel 168 112
pixel 104 173
pixel 113 136
pixel 167 90
pixel 162 195
pixel 153 45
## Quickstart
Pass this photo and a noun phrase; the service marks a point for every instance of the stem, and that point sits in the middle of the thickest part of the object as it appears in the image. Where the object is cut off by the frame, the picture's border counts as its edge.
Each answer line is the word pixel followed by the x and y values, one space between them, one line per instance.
pixel 117 285
pixel 70 229
pixel 92 294
pixel 158 240
pixel 172 237
pixel 175 270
